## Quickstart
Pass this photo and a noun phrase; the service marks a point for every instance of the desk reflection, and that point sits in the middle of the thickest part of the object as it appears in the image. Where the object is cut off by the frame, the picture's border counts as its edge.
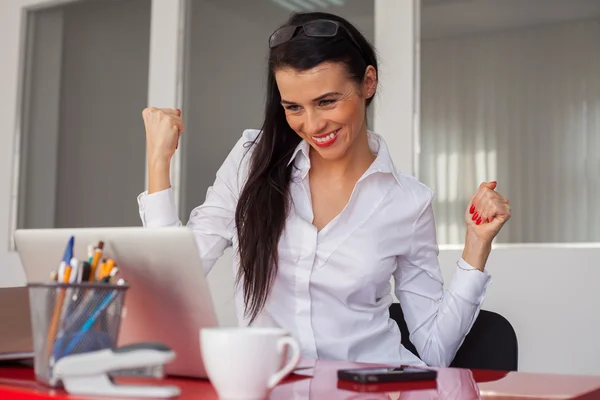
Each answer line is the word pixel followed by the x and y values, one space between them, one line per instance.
pixel 451 384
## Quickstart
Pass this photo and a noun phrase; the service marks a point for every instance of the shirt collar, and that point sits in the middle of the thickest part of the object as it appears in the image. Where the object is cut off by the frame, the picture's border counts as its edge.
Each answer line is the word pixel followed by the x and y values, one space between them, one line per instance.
pixel 383 161
pixel 303 148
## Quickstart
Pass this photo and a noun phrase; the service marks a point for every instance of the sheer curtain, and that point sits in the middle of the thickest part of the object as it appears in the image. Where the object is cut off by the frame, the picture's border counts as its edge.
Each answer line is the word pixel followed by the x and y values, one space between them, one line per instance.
pixel 523 108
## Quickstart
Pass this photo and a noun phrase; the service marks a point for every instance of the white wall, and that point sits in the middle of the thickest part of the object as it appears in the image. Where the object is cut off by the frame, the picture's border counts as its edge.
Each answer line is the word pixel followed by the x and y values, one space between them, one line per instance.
pixel 548 294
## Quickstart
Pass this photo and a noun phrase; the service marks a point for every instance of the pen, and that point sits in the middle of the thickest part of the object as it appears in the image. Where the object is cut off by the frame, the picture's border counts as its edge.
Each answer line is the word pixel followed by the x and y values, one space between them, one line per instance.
pixel 87 325
pixel 105 269
pixel 75 320
pixel 85 269
pixel 104 272
pixel 99 270
pixel 96 259
pixel 64 274
pixel 90 253
pixel 75 274
pixel 64 270
pixel 111 277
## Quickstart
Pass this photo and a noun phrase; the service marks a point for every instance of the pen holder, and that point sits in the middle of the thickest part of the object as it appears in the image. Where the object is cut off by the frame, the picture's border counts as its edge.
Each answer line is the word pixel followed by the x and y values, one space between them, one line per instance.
pixel 72 318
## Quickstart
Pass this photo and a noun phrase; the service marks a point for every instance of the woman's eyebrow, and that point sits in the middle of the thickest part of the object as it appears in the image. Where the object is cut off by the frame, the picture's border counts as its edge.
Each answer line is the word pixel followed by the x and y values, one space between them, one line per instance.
pixel 321 97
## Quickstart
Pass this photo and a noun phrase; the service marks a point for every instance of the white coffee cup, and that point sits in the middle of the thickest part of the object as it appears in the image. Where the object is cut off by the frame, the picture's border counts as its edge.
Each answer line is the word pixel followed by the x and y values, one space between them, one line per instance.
pixel 246 363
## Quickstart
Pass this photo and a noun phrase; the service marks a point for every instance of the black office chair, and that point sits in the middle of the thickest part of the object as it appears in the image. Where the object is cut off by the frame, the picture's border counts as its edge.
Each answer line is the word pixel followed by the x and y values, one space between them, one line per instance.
pixel 490 344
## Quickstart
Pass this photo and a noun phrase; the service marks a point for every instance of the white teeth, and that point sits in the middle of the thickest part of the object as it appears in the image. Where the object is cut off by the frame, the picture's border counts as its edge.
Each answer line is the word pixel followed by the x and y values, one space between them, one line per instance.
pixel 326 138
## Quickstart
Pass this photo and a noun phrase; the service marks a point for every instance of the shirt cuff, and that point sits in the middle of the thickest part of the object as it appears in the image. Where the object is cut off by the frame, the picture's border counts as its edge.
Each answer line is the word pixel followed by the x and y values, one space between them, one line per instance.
pixel 470 283
pixel 158 209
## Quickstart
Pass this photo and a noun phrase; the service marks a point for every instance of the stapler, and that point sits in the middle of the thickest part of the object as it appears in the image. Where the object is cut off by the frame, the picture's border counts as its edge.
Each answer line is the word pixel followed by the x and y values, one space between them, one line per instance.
pixel 90 373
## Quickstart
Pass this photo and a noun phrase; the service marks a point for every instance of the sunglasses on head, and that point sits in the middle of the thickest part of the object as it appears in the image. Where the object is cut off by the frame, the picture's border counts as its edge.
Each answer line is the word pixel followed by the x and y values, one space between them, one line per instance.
pixel 318 28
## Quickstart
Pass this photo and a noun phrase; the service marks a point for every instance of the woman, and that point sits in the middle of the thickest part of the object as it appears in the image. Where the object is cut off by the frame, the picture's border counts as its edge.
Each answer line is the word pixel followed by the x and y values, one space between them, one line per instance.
pixel 320 219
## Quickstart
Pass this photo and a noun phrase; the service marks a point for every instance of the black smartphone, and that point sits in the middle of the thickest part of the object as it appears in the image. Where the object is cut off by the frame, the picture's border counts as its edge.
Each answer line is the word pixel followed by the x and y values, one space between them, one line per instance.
pixel 379 374
pixel 387 387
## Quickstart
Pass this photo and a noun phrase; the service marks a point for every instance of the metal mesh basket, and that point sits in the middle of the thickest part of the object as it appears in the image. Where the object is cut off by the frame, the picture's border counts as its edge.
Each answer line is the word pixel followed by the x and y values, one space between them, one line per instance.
pixel 72 318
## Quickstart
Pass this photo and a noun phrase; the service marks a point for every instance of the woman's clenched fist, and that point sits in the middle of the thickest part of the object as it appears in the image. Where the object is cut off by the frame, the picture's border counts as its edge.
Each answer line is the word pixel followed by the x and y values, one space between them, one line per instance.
pixel 163 128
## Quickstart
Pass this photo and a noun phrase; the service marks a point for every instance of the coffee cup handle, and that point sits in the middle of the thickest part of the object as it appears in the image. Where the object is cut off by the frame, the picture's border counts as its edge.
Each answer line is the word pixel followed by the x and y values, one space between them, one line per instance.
pixel 291 364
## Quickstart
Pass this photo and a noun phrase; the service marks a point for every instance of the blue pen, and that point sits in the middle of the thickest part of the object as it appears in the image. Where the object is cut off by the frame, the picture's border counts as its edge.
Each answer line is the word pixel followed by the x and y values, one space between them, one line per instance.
pixel 64 272
pixel 65 264
pixel 88 324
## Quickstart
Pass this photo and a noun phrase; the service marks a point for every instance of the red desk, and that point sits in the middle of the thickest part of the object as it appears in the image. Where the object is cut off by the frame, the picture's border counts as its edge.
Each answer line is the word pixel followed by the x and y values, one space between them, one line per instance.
pixel 452 384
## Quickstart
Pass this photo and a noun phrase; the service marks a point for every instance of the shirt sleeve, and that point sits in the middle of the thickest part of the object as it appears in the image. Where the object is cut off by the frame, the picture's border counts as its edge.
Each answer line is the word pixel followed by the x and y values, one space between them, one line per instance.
pixel 213 222
pixel 438 320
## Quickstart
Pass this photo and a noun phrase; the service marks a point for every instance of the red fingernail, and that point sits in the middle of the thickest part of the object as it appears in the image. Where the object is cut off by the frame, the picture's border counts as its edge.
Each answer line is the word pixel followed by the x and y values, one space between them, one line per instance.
pixel 478 221
pixel 472 209
pixel 474 217
pixel 179 112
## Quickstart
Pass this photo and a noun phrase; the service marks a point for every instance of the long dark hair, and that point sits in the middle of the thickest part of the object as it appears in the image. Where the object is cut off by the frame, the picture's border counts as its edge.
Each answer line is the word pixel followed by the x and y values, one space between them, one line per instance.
pixel 264 201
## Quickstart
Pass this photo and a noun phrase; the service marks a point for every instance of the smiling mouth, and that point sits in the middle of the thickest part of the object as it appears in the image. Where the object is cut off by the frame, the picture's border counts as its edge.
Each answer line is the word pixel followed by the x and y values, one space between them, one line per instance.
pixel 326 140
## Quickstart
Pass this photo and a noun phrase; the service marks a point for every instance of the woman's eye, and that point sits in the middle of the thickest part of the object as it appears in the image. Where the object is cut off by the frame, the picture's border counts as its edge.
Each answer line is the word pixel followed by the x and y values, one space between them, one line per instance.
pixel 293 108
pixel 325 103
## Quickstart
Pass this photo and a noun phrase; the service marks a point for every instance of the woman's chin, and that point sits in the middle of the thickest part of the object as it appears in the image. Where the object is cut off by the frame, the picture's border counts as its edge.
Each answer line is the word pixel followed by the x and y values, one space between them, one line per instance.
pixel 331 153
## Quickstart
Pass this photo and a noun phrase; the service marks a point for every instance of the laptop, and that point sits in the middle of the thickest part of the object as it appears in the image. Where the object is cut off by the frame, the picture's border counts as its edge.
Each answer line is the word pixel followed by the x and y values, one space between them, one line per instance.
pixel 16 343
pixel 168 299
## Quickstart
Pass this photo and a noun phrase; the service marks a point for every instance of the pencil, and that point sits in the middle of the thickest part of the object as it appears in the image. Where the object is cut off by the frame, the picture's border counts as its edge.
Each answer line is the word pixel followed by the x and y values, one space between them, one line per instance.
pixel 64 274
pixel 105 269
pixel 96 259
pixel 55 321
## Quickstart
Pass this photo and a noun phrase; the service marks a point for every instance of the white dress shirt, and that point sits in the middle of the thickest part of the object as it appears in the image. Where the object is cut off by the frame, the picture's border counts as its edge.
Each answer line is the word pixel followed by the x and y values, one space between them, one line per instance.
pixel 333 287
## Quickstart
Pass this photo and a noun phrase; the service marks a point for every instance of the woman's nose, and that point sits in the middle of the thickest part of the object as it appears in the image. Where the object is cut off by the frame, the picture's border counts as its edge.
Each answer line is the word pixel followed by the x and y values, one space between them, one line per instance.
pixel 314 124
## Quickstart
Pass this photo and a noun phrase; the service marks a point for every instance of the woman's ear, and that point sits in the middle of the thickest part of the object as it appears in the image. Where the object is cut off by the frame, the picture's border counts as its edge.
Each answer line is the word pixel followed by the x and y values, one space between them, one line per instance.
pixel 369 82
